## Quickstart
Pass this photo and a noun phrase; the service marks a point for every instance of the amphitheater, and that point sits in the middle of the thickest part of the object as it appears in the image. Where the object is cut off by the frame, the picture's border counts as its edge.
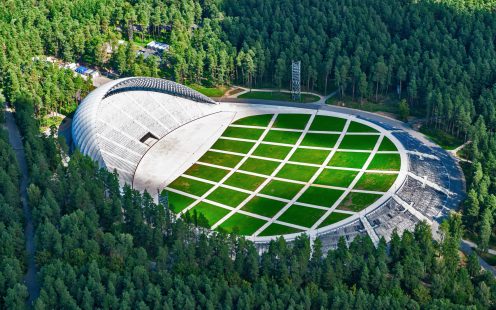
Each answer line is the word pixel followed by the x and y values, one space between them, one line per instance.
pixel 152 131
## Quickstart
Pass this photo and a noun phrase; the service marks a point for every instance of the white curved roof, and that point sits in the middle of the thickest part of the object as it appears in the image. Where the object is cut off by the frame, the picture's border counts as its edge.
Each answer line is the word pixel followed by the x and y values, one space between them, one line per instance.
pixel 113 122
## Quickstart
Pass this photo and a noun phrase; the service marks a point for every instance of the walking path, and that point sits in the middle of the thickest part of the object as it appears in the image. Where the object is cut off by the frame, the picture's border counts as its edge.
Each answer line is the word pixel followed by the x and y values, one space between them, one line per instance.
pixel 16 141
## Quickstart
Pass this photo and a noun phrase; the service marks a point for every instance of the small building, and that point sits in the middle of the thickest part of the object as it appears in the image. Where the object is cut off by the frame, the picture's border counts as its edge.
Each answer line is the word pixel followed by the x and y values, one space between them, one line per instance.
pixel 157 46
pixel 81 70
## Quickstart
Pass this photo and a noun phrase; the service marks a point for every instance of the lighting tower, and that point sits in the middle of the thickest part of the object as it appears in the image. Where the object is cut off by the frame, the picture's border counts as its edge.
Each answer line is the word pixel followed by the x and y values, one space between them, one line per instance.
pixel 296 80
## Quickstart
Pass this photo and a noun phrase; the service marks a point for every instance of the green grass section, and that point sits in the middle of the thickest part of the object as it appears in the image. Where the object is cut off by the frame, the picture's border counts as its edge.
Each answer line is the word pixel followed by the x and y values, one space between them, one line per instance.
pixel 210 91
pixel 227 196
pixel 320 140
pixel 178 202
pixel 277 95
pixel 387 145
pixel 302 216
pixel 359 127
pixel 244 181
pixel 334 217
pixel 257 120
pixel 376 182
pixel 272 151
pixel 241 224
pixel 334 177
pixel 190 186
pixel 287 137
pixel 327 123
pixel 358 201
pixel 324 197
pixel 359 142
pixel 281 189
pixel 441 138
pixel 309 156
pixel 278 229
pixel 259 166
pixel 297 172
pixel 233 146
pixel 385 162
pixel 349 159
pixel 206 172
pixel 263 206
pixel 221 159
pixel 243 133
pixel 212 213
pixel 291 121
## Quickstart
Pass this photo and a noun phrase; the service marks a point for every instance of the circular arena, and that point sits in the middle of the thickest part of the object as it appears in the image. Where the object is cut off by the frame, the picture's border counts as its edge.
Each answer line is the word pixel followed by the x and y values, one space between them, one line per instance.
pixel 271 169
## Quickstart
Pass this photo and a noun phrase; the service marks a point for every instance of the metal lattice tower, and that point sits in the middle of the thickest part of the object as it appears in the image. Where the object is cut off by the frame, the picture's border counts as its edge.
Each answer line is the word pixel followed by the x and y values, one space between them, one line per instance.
pixel 296 80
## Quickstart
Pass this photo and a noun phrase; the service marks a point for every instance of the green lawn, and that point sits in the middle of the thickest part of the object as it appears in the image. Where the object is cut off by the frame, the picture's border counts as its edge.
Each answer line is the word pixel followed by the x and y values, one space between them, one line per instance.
pixel 178 202
pixel 259 166
pixel 320 140
pixel 221 159
pixel 257 120
pixel 376 181
pixel 443 139
pixel 324 197
pixel 328 123
pixel 190 186
pixel 349 159
pixel 233 146
pixel 309 156
pixel 358 201
pixel 212 213
pixel 300 215
pixel 297 172
pixel 263 206
pixel 241 224
pixel 385 162
pixel 210 91
pixel 272 151
pixel 275 229
pixel 206 172
pixel 334 177
pixel 244 181
pixel 227 196
pixel 287 137
pixel 358 142
pixel 291 121
pixel 276 95
pixel 243 133
pixel 334 217
pixel 387 145
pixel 359 127
pixel 281 189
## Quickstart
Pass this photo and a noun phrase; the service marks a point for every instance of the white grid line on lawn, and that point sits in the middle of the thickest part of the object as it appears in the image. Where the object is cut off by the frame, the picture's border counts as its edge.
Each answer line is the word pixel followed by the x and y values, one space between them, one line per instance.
pixel 353 183
pixel 312 179
pixel 269 179
pixel 329 132
pixel 245 157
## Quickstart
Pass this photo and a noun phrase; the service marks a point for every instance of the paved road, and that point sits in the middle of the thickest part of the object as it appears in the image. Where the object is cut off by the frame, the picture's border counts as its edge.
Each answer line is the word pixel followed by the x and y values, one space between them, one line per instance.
pixel 30 278
pixel 466 247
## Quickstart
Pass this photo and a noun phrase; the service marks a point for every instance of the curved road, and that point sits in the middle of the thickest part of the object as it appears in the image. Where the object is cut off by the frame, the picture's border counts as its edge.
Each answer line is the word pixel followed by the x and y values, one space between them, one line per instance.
pixel 15 140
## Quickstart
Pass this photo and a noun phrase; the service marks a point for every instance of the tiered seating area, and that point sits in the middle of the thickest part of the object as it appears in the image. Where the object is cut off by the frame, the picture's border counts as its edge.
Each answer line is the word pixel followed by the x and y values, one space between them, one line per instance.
pixel 126 117
pixel 389 217
pixel 349 232
pixel 431 168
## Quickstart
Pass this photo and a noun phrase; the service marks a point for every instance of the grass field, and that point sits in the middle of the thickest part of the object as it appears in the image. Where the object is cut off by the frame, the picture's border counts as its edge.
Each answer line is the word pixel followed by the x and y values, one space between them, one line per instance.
pixel 362 142
pixel 309 156
pixel 210 91
pixel 319 196
pixel 320 140
pixel 206 172
pixel 220 159
pixel 348 159
pixel 243 133
pixel 303 216
pixel 305 164
pixel 286 137
pixel 275 95
pixel 262 120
